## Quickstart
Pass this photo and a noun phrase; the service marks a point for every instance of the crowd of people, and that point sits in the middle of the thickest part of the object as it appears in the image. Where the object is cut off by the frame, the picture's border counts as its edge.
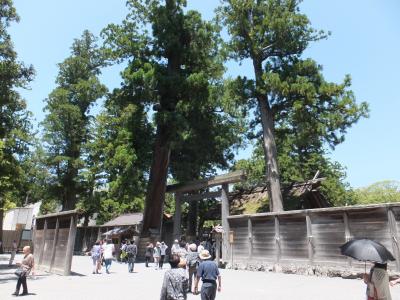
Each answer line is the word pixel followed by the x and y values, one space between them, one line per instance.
pixel 189 263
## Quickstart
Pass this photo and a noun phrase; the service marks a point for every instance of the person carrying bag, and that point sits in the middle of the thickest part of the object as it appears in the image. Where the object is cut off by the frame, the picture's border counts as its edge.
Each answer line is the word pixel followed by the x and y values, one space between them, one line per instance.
pixel 24 268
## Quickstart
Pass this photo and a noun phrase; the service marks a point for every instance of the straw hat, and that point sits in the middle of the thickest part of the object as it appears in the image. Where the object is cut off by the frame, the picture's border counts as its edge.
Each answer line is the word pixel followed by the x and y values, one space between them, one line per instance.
pixel 204 254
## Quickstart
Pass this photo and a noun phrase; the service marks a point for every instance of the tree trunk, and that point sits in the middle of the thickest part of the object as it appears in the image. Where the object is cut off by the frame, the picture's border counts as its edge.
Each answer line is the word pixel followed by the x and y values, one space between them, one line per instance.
pixel 192 219
pixel 169 97
pixel 157 182
pixel 270 153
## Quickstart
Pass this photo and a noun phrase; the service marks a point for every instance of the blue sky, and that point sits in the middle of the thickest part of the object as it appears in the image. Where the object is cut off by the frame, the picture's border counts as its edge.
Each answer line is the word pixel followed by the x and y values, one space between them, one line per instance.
pixel 365 43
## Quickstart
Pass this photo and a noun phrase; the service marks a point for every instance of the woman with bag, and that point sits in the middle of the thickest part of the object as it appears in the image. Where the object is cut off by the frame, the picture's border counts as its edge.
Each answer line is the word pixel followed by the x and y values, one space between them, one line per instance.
pixel 24 268
pixel 378 283
pixel 96 257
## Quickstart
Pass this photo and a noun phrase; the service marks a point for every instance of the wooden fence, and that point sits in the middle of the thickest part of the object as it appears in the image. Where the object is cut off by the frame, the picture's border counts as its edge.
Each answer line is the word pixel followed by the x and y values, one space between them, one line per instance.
pixel 54 239
pixel 312 237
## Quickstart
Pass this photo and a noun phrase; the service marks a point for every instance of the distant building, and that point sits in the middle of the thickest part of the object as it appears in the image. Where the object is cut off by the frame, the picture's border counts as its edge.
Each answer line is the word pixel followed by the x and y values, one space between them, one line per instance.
pixel 21 218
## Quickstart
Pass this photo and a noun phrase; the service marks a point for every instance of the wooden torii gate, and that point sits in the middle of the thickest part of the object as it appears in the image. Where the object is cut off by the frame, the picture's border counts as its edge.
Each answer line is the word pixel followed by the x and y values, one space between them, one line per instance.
pixel 180 192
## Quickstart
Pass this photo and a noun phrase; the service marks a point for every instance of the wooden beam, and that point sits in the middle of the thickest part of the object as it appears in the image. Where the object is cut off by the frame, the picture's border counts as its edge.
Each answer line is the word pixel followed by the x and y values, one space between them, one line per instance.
pixel 44 241
pixel 277 240
pixel 225 223
pixel 232 177
pixel 347 233
pixel 318 210
pixel 198 197
pixel 177 216
pixel 70 245
pixel 59 214
pixel 395 236
pixel 55 240
pixel 250 237
pixel 310 239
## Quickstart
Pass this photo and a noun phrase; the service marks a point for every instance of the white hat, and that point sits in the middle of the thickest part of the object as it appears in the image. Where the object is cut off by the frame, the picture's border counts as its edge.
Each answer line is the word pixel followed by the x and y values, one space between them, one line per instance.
pixel 204 254
pixel 193 247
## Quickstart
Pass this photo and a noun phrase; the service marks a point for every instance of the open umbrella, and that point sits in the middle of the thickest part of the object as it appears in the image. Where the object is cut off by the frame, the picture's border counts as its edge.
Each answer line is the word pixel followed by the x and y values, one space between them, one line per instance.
pixel 366 250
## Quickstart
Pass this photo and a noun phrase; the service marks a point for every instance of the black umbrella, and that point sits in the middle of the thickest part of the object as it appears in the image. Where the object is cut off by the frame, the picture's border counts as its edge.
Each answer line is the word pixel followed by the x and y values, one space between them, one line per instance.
pixel 366 250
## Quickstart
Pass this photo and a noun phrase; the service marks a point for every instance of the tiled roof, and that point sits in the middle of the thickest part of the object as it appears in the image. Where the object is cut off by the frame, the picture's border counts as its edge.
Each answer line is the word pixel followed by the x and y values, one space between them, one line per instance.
pixel 126 219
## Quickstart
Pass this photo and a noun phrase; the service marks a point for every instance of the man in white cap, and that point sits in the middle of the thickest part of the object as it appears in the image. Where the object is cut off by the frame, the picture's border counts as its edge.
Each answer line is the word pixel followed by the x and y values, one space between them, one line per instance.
pixel 209 273
pixel 175 247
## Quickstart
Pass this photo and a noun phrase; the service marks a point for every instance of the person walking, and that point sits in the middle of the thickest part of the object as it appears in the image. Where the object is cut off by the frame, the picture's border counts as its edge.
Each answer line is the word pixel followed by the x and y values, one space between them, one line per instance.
pixel 96 257
pixel 157 255
pixel 378 283
pixel 13 252
pixel 123 256
pixel 200 247
pixel 175 283
pixel 149 253
pixel 24 268
pixel 209 273
pixel 131 251
pixel 109 250
pixel 192 263
pixel 163 249
pixel 175 247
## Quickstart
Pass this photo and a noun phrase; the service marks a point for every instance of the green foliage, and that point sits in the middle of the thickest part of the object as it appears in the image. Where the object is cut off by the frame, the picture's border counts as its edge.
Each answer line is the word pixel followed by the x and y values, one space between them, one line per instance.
pixel 308 113
pixel 379 192
pixel 15 126
pixel 67 123
pixel 174 74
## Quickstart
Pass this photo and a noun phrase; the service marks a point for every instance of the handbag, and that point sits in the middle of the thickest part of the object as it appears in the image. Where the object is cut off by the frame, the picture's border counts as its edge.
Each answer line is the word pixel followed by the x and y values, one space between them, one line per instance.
pixel 20 272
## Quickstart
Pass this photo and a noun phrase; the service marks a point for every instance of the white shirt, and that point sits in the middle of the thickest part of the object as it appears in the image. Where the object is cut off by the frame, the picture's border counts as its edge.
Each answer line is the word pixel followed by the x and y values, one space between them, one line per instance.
pixel 163 249
pixel 200 248
pixel 175 248
pixel 108 251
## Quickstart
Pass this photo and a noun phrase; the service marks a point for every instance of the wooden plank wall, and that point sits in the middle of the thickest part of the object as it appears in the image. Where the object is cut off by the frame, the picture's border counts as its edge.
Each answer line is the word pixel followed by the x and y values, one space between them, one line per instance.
pixel 313 237
pixel 52 243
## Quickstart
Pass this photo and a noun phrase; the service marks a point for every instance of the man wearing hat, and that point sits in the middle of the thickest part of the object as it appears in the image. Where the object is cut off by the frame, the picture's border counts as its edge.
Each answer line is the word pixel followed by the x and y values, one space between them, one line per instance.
pixel 209 273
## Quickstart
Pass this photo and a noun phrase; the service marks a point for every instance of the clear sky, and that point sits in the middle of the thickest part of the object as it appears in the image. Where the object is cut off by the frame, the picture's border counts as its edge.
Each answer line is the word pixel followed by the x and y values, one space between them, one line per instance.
pixel 365 43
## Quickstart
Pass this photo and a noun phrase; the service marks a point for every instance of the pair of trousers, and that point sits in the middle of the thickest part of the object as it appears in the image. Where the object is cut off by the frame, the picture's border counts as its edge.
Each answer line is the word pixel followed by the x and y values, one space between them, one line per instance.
pixel 161 262
pixel 208 291
pixel 21 280
pixel 108 264
pixel 148 259
pixel 12 257
pixel 131 264
pixel 192 274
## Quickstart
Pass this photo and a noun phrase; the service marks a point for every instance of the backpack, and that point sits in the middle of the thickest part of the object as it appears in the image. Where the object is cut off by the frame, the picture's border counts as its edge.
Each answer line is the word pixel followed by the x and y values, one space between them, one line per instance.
pixel 131 250
pixel 193 260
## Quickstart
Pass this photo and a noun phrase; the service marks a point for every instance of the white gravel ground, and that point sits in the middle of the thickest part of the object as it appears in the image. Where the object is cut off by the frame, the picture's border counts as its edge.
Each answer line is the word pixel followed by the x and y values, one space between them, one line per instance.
pixel 145 283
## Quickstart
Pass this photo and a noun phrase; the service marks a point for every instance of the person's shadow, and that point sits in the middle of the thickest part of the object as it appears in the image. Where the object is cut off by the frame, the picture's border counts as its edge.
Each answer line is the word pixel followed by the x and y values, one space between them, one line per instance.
pixel 29 294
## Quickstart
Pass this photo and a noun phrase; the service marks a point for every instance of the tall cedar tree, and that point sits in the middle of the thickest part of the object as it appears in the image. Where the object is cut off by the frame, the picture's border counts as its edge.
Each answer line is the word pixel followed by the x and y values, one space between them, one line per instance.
pixel 14 119
pixel 66 125
pixel 173 65
pixel 291 95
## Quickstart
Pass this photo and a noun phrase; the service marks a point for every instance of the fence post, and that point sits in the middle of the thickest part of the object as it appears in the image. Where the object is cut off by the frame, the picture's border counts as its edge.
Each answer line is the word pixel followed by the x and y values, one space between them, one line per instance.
pixel 55 240
pixel 347 232
pixel 177 216
pixel 394 235
pixel 310 239
pixel 250 237
pixel 70 245
pixel 225 222
pixel 277 240
pixel 44 241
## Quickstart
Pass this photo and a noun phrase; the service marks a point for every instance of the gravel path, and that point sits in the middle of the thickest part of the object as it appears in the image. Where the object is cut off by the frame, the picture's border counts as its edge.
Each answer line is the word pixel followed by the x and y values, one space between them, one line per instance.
pixel 145 283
